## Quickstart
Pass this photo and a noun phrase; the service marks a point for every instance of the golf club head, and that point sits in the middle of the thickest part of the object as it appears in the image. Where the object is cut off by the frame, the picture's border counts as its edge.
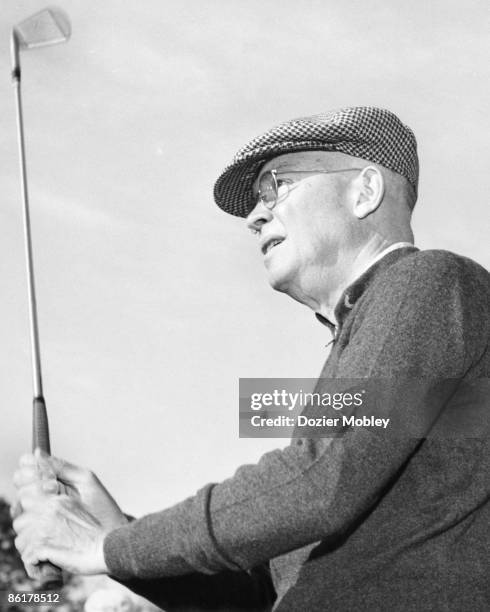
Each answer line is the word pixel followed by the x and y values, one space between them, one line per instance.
pixel 47 27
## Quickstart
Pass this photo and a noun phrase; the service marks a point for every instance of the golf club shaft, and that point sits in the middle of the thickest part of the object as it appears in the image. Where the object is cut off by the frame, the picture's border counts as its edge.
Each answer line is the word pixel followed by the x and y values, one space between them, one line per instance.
pixel 31 290
pixel 50 575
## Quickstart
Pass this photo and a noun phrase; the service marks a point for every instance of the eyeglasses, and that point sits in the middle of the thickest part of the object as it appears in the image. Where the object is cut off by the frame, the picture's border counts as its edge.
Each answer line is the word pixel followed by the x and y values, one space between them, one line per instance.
pixel 272 189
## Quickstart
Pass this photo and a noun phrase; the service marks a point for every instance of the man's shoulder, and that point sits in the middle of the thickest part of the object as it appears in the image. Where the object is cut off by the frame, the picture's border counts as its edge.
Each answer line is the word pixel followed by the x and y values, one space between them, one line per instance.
pixel 434 302
pixel 436 268
pixel 440 260
pixel 430 283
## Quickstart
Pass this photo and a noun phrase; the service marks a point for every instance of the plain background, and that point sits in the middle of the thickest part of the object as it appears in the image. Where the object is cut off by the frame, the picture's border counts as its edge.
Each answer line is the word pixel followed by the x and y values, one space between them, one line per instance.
pixel 152 302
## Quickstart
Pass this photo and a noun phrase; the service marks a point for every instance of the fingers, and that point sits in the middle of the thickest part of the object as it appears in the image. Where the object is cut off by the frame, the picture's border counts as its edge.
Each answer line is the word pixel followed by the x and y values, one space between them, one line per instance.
pixel 35 478
pixel 32 571
pixel 31 495
pixel 28 521
pixel 46 464
pixel 27 476
pixel 20 522
pixel 34 467
pixel 37 524
pixel 27 459
pixel 38 466
pixel 72 475
pixel 27 542
pixel 23 541
pixel 66 472
pixel 62 531
pixel 15 510
pixel 32 557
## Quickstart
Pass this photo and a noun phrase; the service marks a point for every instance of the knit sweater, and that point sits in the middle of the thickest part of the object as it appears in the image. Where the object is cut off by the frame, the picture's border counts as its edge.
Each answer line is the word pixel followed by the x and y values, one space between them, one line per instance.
pixel 365 520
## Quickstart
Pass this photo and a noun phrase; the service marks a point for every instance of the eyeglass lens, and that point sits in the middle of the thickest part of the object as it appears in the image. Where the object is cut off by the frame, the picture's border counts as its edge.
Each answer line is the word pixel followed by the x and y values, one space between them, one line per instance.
pixel 267 188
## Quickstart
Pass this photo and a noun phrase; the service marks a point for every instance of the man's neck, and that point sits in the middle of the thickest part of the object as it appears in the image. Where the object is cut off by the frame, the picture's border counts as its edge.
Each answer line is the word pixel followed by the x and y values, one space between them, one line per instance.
pixel 365 258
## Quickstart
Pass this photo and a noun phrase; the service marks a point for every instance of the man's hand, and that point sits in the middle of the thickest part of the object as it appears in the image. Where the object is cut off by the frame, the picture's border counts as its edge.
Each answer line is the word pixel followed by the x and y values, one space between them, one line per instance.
pixel 40 474
pixel 59 529
pixel 62 514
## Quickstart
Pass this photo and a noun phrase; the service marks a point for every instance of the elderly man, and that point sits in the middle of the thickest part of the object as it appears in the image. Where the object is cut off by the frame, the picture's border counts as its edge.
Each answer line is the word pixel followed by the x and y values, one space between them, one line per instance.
pixel 365 520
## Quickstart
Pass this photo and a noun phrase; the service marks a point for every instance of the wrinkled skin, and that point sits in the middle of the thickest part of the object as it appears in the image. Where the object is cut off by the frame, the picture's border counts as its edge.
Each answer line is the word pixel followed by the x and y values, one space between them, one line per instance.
pixel 62 515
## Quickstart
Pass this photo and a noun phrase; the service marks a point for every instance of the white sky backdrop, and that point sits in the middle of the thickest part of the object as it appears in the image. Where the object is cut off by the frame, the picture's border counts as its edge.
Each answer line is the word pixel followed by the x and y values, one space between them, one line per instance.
pixel 152 302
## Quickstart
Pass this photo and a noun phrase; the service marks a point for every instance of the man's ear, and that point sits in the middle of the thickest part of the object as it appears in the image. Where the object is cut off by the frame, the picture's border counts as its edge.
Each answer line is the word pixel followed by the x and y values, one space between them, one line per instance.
pixel 370 191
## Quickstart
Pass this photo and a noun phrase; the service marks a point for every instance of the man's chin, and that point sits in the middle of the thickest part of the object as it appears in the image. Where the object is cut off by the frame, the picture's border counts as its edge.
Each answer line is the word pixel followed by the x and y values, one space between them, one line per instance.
pixel 279 282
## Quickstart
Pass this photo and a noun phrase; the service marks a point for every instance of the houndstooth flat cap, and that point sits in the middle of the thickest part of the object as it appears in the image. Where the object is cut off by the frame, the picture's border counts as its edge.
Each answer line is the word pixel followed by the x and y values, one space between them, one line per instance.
pixel 371 133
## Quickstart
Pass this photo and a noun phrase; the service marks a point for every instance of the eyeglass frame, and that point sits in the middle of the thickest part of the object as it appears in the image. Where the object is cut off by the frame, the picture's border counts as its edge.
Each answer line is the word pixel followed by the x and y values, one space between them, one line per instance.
pixel 274 173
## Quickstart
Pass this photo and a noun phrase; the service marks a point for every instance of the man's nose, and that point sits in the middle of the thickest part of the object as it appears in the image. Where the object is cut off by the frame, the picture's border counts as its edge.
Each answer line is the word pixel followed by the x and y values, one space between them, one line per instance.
pixel 258 216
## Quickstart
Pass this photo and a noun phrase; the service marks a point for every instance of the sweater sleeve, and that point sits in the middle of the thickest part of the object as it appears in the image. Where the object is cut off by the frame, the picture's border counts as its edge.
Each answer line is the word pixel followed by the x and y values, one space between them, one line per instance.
pixel 250 591
pixel 413 326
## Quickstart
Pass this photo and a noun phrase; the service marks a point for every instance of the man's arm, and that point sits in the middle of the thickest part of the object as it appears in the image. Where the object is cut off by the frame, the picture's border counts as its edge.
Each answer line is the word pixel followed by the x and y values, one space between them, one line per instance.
pixel 250 591
pixel 226 591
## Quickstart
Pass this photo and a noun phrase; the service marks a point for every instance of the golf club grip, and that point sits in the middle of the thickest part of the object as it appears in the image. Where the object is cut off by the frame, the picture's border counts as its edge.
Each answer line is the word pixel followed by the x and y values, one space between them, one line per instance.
pixel 50 576
pixel 40 428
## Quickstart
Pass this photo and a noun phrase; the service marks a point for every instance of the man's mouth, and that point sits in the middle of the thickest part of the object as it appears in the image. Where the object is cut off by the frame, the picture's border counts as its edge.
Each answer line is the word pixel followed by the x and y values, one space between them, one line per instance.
pixel 270 244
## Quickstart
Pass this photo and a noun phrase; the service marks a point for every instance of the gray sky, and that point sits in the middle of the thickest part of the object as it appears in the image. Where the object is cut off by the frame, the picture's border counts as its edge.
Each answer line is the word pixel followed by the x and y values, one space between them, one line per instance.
pixel 152 302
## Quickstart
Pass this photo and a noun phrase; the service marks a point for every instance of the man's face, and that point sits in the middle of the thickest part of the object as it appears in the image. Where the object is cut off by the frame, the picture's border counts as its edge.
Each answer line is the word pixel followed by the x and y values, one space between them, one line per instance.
pixel 312 223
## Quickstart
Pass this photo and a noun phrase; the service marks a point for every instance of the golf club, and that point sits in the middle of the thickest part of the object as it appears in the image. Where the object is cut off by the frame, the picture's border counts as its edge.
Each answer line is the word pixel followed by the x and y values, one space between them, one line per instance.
pixel 47 27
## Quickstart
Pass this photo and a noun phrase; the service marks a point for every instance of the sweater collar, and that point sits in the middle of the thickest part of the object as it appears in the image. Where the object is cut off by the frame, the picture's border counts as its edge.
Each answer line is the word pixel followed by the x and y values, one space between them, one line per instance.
pixel 354 291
